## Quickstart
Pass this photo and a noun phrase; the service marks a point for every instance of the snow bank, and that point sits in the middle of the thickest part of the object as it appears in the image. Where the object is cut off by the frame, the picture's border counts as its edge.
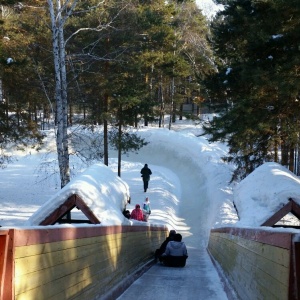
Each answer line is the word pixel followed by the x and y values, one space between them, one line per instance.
pixel 264 192
pixel 194 159
pixel 100 188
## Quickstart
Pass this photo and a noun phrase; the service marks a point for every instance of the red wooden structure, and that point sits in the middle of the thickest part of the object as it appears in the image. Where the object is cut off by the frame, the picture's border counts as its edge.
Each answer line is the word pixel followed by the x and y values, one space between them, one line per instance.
pixel 290 207
pixel 62 214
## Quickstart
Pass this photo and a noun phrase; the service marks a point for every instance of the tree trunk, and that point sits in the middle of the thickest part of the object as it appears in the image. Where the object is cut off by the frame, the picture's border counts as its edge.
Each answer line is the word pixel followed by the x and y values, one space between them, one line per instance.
pixel 120 141
pixel 298 161
pixel 172 102
pixel 70 119
pixel 162 106
pixel 292 159
pixel 276 157
pixel 174 113
pixel 1 91
pixel 180 111
pixel 284 154
pixel 105 130
pixel 60 92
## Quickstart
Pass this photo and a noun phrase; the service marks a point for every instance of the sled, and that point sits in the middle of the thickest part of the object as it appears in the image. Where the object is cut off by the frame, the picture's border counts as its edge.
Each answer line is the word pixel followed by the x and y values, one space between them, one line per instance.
pixel 174 261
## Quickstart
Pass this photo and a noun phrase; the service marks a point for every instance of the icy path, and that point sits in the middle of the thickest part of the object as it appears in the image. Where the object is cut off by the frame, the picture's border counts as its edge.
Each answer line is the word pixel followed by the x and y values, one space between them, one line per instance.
pixel 196 281
pixel 199 279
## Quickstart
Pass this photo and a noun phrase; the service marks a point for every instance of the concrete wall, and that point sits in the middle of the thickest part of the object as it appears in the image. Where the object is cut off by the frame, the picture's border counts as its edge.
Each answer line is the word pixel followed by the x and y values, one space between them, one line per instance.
pixel 92 262
pixel 257 263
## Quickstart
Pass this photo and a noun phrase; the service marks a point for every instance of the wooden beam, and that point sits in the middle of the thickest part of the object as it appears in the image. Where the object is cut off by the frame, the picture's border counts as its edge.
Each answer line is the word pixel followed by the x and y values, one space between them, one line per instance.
pixel 295 209
pixel 68 205
pixel 8 288
pixel 3 261
pixel 294 290
pixel 278 215
pixel 86 210
pixel 290 207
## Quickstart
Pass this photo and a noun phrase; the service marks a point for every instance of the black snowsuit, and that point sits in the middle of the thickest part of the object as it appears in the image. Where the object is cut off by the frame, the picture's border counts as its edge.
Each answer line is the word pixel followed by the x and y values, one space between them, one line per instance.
pixel 146 172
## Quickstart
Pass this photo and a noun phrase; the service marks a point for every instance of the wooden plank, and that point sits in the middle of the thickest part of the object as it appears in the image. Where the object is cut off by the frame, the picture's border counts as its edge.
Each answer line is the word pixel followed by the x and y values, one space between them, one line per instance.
pixel 258 247
pixel 268 287
pixel 262 254
pixel 67 206
pixel 44 261
pixel 57 246
pixel 108 240
pixel 86 210
pixel 295 272
pixel 246 264
pixel 44 280
pixel 74 256
pixel 275 238
pixel 49 234
pixel 278 215
pixel 58 284
pixel 8 288
pixel 60 211
pixel 100 285
pixel 296 209
pixel 3 262
pixel 256 262
pixel 61 276
pixel 66 255
pixel 56 267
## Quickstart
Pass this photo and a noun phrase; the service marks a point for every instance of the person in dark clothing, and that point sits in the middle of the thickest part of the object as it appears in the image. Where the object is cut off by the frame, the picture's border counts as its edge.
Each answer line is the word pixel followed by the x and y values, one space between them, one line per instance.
pixel 126 213
pixel 175 254
pixel 146 172
pixel 163 246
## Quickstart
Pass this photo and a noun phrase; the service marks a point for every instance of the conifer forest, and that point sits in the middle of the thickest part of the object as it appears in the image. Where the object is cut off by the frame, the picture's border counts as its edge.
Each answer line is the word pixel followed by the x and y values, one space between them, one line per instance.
pixel 114 65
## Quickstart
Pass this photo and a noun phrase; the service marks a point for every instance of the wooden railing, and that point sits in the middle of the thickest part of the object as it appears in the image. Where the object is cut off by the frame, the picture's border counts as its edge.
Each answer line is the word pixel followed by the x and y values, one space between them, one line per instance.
pixel 258 263
pixel 5 265
pixel 78 262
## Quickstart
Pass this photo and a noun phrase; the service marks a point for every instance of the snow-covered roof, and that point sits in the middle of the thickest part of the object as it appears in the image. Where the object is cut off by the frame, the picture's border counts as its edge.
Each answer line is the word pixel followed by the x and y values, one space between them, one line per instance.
pixel 264 192
pixel 102 191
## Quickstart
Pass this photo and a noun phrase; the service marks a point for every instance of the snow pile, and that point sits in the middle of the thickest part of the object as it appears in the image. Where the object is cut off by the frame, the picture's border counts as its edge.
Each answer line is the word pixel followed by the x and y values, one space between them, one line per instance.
pixel 193 158
pixel 100 188
pixel 189 189
pixel 265 191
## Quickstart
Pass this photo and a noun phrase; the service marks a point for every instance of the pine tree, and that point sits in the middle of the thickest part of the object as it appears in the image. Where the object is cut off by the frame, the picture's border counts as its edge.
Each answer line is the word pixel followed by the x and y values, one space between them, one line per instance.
pixel 19 101
pixel 257 43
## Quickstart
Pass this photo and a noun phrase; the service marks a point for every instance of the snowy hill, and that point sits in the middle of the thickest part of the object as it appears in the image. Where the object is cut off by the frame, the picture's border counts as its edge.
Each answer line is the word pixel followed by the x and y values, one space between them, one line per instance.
pixel 189 190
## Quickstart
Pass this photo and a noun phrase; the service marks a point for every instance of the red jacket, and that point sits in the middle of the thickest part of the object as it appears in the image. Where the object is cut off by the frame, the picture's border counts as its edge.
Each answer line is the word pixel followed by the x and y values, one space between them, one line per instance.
pixel 137 214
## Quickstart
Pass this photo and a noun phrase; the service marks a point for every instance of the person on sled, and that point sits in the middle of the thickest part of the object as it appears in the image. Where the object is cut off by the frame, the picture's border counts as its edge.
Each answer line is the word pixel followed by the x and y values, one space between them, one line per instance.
pixel 176 253
pixel 162 248
pixel 137 213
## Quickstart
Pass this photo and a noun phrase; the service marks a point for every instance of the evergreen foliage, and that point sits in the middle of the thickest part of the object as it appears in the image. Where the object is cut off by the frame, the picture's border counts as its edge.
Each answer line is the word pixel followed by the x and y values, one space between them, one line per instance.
pixel 125 61
pixel 20 90
pixel 258 81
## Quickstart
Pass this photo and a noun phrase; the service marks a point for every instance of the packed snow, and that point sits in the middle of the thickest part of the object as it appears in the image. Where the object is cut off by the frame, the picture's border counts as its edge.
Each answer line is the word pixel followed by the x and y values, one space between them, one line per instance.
pixel 103 192
pixel 265 191
pixel 189 190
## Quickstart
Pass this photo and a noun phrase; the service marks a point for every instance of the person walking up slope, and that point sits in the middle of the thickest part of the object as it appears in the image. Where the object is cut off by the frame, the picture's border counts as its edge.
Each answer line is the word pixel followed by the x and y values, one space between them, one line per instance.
pixel 146 172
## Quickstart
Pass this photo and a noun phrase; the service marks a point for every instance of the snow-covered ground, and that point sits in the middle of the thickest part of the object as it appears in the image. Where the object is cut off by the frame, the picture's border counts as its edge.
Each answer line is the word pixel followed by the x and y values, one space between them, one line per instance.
pixel 189 190
pixel 189 177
